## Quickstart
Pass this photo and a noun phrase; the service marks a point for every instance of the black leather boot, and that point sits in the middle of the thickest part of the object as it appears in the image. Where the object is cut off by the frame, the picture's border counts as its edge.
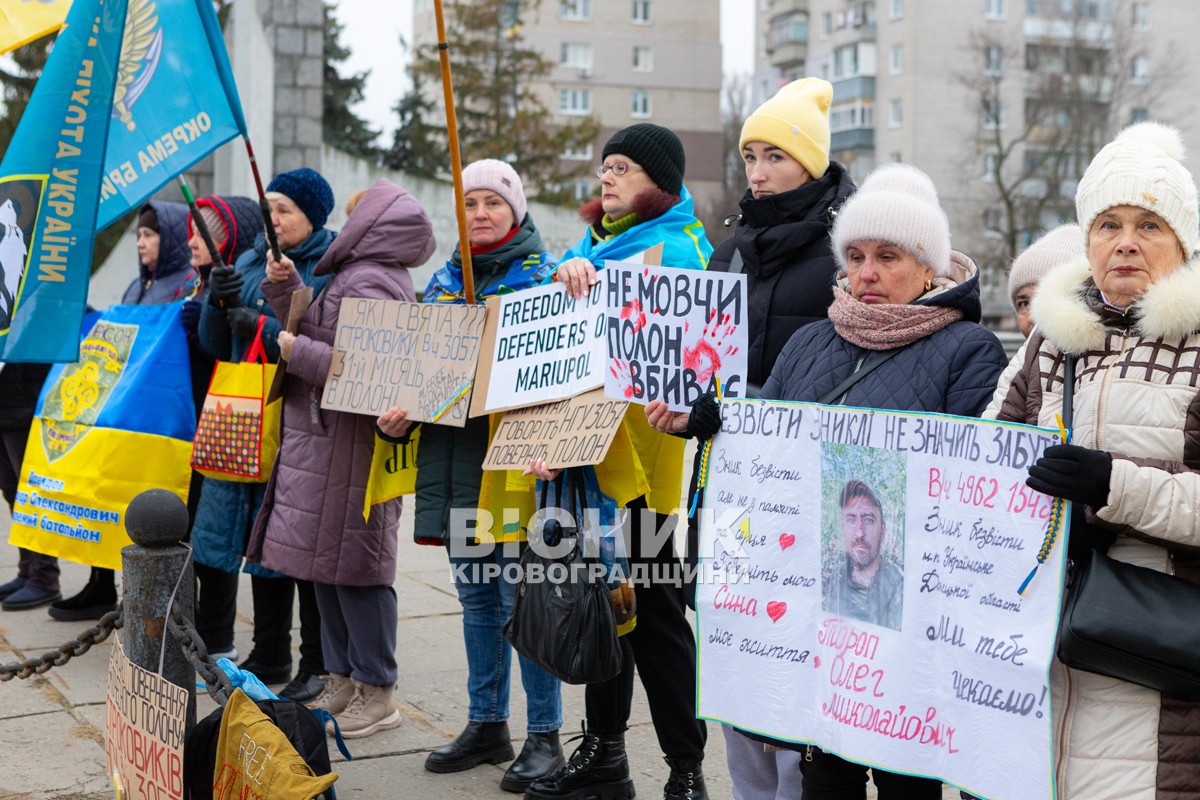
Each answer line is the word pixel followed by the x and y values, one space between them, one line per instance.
pixel 686 781
pixel 597 769
pixel 542 755
pixel 98 598
pixel 479 742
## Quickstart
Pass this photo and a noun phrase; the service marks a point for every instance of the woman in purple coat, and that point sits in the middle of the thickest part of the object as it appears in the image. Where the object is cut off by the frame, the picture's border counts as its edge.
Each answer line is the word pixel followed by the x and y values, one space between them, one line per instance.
pixel 311 525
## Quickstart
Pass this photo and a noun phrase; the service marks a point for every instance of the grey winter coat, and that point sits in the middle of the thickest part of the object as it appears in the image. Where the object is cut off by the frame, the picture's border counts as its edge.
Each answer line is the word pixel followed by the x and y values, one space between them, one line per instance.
pixel 311 524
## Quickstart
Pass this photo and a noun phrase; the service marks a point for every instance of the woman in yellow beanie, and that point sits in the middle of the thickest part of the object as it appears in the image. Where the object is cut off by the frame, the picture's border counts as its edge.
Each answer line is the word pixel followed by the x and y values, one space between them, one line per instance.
pixel 781 243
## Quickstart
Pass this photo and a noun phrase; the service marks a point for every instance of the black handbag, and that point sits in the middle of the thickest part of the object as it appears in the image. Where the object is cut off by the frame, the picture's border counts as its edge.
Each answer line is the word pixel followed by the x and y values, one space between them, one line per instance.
pixel 562 618
pixel 1125 621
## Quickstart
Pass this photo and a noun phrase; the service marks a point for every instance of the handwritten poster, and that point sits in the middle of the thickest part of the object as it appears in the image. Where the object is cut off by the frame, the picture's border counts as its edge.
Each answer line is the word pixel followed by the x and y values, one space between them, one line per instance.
pixel 860 591
pixel 144 728
pixel 415 356
pixel 567 433
pixel 541 345
pixel 671 333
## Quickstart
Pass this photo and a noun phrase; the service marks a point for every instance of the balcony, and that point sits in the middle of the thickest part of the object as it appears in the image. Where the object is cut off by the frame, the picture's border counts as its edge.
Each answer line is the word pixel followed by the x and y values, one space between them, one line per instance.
pixel 857 139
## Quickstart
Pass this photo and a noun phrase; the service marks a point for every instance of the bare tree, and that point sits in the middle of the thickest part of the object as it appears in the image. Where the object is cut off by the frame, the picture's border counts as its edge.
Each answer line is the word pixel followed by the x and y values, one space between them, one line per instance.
pixel 735 107
pixel 1080 82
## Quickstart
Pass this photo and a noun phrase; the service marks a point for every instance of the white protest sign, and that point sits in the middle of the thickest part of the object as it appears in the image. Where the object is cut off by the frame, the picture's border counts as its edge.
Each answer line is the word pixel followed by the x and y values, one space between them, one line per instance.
pixel 540 345
pixel 671 333
pixel 862 591
pixel 417 356
pixel 144 727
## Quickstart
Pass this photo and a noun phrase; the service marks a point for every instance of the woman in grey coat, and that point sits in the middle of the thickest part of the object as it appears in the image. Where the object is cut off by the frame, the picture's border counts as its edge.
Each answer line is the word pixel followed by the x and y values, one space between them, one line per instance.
pixel 311 524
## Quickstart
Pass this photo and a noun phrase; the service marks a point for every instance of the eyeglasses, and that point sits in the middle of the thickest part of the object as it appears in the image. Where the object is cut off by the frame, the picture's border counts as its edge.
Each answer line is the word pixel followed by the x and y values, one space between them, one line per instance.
pixel 618 168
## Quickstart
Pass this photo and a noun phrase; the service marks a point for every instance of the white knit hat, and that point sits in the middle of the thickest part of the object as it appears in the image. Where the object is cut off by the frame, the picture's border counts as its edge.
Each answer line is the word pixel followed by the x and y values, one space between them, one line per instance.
pixel 897 203
pixel 1057 246
pixel 500 178
pixel 1141 167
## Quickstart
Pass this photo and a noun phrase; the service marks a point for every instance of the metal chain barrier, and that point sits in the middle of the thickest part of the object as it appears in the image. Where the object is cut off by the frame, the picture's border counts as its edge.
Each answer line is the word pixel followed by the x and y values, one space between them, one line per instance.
pixel 194 650
pixel 216 682
pixel 66 651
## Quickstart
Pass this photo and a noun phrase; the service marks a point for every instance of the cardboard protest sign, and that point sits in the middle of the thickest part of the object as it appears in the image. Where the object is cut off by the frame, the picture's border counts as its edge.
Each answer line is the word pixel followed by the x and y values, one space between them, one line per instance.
pixel 567 433
pixel 145 723
pixel 415 356
pixel 301 300
pixel 671 333
pixel 859 591
pixel 540 345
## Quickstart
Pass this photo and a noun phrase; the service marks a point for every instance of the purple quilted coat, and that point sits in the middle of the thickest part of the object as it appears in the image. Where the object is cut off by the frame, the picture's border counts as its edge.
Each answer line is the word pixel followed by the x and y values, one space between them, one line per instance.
pixel 311 524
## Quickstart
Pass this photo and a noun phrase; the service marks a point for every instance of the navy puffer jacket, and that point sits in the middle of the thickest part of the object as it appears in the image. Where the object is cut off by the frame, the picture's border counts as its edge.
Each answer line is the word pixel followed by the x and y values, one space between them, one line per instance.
pixel 952 371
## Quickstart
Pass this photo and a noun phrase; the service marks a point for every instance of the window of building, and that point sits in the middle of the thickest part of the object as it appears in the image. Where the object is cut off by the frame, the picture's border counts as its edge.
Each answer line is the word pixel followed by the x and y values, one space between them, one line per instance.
pixel 575 102
pixel 993 114
pixel 639 105
pixel 583 190
pixel 993 60
pixel 826 24
pixel 896 60
pixel 896 157
pixel 641 12
pixel 575 10
pixel 789 28
pixel 1140 69
pixel 576 54
pixel 845 62
pixel 851 117
pixel 1141 16
pixel 990 160
pixel 896 113
pixel 993 9
pixel 993 221
pixel 1139 114
pixel 643 58
pixel 581 154
pixel 897 9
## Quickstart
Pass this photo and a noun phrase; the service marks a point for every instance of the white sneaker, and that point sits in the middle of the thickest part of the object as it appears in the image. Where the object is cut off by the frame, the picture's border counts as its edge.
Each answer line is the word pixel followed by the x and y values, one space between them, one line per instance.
pixel 231 654
pixel 371 710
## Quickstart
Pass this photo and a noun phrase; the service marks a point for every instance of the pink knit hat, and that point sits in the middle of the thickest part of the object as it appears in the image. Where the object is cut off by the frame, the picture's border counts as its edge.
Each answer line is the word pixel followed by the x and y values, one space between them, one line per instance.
pixel 1057 246
pixel 500 178
pixel 896 204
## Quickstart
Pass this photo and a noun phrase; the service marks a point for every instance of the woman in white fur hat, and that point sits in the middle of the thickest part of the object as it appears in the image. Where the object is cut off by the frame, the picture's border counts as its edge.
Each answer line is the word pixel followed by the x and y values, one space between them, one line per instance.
pixel 1129 316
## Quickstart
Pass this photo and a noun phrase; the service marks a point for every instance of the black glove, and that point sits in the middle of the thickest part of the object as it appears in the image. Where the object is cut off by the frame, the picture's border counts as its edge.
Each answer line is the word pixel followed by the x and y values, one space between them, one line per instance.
pixel 226 287
pixel 705 418
pixel 1073 473
pixel 243 322
pixel 190 316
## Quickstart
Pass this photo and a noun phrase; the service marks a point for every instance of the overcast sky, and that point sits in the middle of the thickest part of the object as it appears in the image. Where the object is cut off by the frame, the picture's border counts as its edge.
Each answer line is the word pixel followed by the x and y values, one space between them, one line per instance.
pixel 373 29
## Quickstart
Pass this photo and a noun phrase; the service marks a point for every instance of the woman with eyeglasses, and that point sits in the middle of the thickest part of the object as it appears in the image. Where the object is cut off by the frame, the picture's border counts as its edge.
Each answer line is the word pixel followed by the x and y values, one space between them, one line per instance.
pixel 642 203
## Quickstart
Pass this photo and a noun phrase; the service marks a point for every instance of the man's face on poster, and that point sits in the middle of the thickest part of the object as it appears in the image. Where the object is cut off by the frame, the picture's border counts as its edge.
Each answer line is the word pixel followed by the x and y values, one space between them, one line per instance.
pixel 862 531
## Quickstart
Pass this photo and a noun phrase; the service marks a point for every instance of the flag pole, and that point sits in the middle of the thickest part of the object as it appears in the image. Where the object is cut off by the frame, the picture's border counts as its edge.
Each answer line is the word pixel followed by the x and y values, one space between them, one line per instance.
pixel 263 205
pixel 464 244
pixel 198 222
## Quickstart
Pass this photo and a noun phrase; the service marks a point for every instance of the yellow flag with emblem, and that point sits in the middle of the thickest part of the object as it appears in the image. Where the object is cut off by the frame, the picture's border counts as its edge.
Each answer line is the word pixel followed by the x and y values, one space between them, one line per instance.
pixel 23 22
pixel 393 471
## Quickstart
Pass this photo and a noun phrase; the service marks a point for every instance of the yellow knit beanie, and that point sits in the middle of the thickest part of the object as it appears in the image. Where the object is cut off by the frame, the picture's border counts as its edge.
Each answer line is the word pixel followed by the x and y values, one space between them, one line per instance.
pixel 796 120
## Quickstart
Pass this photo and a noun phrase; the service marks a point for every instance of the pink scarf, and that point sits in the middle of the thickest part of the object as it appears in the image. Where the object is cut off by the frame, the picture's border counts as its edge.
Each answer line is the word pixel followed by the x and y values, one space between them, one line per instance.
pixel 888 325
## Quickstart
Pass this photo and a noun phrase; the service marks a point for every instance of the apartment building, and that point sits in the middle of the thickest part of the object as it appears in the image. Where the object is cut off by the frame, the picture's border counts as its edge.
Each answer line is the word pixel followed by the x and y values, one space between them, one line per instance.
pixel 991 97
pixel 629 61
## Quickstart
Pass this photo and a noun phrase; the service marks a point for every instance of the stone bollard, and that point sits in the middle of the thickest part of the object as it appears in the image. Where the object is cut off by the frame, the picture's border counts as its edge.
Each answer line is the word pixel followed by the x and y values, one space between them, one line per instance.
pixel 157 521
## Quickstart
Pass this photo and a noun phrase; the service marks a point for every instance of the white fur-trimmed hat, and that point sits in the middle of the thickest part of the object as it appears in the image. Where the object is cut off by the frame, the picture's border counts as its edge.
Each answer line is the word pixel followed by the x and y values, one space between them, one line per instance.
pixel 1057 246
pixel 1142 167
pixel 897 203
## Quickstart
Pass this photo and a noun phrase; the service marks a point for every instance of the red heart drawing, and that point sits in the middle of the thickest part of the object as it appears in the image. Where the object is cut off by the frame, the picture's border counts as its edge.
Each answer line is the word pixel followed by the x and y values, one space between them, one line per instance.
pixel 816 662
pixel 776 609
pixel 786 540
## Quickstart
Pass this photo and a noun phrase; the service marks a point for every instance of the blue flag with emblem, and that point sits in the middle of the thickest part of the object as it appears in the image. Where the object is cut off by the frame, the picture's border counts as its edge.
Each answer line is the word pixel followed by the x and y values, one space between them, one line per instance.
pixel 134 93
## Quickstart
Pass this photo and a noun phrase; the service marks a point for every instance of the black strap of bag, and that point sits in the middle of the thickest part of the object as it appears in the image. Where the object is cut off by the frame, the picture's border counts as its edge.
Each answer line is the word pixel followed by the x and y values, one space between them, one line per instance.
pixel 877 359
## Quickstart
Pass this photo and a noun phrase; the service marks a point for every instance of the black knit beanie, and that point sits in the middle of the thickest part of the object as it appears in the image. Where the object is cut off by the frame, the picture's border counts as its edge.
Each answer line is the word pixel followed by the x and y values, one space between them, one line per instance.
pixel 656 149
pixel 148 218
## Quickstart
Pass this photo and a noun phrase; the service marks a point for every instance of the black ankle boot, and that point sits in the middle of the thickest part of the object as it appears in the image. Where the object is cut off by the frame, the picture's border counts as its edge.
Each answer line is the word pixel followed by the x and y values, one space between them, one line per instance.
pixel 598 769
pixel 97 598
pixel 542 755
pixel 686 781
pixel 478 743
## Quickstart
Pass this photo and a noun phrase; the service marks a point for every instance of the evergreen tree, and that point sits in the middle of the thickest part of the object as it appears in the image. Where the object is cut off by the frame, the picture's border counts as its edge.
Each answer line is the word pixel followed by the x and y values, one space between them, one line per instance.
pixel 343 128
pixel 17 84
pixel 499 115
pixel 416 148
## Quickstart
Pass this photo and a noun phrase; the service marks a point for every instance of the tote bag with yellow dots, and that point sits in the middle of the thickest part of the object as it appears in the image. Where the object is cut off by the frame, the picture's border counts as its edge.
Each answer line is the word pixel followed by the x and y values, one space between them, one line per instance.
pixel 237 437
